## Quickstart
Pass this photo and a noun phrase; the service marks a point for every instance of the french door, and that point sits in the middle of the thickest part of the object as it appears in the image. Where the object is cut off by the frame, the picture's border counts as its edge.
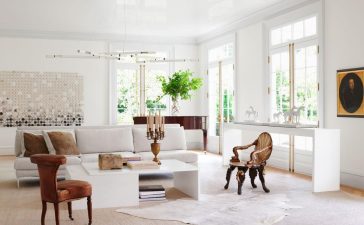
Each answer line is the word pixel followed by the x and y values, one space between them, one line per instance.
pixel 221 96
pixel 293 80
pixel 294 83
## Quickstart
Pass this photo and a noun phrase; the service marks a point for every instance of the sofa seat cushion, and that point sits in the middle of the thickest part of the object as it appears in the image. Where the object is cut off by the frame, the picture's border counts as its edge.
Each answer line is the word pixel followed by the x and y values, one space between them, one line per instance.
pixel 23 163
pixel 105 140
pixel 34 173
pixel 174 139
pixel 94 157
pixel 181 155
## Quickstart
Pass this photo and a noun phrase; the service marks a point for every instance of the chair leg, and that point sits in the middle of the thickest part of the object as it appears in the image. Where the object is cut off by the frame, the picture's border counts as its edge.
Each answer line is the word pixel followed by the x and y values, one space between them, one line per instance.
pixel 56 212
pixel 262 180
pixel 252 175
pixel 228 175
pixel 69 204
pixel 44 211
pixel 240 176
pixel 89 210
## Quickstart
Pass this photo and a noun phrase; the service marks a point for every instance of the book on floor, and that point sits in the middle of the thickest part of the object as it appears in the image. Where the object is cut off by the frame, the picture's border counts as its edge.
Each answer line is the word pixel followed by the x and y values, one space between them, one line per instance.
pixel 152 199
pixel 152 193
pixel 144 188
pixel 148 193
pixel 152 196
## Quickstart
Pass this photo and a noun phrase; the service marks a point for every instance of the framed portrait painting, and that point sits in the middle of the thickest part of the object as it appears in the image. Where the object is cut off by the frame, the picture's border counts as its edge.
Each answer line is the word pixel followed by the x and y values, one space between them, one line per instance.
pixel 350 92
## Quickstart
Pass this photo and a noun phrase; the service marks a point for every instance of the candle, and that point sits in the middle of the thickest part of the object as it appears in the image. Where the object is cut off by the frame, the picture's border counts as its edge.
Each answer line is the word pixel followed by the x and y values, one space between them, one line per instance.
pixel 160 120
pixel 156 122
pixel 151 122
pixel 147 123
pixel 163 122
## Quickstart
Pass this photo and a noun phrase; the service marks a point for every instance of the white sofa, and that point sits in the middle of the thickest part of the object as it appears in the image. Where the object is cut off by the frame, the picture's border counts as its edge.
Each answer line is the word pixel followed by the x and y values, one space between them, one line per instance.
pixel 92 140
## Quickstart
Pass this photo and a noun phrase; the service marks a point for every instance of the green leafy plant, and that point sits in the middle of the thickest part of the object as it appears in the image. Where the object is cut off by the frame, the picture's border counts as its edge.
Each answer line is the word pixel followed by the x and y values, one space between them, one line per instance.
pixel 180 85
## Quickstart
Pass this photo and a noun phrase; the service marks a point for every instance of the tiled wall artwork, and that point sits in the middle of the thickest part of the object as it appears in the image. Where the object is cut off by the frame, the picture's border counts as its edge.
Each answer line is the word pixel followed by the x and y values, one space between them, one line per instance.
pixel 40 99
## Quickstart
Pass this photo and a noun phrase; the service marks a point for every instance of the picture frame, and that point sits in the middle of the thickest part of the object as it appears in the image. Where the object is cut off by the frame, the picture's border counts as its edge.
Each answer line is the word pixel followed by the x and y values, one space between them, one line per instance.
pixel 350 92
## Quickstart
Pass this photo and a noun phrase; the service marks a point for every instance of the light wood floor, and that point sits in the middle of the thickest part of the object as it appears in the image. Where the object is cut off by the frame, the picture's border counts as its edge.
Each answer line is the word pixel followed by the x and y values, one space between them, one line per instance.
pixel 22 206
pixel 344 188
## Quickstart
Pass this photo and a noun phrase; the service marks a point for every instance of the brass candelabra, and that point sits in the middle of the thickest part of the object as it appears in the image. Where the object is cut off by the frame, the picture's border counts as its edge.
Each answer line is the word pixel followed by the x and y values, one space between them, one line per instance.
pixel 155 132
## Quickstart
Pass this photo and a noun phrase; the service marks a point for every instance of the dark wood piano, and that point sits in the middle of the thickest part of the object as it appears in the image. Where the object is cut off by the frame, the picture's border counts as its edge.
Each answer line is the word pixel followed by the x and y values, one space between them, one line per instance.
pixel 188 122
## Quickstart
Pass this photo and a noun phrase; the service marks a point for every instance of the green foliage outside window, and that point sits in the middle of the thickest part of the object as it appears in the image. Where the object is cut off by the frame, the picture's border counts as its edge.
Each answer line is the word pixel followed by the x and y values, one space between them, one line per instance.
pixel 155 105
pixel 305 95
pixel 228 102
pixel 123 100
pixel 282 98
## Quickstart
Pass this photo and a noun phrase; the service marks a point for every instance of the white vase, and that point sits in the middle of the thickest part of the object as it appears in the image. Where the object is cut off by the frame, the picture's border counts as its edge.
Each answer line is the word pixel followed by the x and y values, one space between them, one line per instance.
pixel 175 108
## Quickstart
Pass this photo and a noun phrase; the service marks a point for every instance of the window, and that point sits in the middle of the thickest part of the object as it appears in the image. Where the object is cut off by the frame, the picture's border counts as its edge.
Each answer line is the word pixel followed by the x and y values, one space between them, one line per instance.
pixel 221 88
pixel 131 86
pixel 294 69
pixel 153 90
pixel 295 31
pixel 127 95
pixel 221 53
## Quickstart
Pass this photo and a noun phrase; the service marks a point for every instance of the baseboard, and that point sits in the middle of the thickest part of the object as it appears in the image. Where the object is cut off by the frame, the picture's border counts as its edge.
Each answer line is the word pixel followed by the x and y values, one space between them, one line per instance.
pixel 6 150
pixel 352 180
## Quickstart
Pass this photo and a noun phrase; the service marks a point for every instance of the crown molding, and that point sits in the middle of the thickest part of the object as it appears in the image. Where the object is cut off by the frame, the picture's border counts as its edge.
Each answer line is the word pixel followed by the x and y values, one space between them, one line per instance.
pixel 259 16
pixel 256 17
pixel 96 37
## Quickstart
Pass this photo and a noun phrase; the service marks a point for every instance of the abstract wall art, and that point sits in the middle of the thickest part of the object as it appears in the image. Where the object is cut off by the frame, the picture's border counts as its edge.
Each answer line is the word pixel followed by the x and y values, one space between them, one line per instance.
pixel 40 99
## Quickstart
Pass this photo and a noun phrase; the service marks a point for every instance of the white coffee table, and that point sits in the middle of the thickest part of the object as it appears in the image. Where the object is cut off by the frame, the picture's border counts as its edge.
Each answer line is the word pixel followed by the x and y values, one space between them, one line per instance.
pixel 116 188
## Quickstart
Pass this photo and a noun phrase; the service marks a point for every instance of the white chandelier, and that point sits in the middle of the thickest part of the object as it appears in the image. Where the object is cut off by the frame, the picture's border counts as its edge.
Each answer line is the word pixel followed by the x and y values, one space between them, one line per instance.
pixel 140 57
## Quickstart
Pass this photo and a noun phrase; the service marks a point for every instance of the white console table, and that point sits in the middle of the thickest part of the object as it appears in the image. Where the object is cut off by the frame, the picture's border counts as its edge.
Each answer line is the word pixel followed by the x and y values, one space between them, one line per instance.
pixel 325 155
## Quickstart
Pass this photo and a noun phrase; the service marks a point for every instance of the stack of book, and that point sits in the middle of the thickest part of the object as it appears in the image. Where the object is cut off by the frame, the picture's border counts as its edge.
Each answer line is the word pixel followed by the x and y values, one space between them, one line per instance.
pixel 139 165
pixel 129 156
pixel 152 193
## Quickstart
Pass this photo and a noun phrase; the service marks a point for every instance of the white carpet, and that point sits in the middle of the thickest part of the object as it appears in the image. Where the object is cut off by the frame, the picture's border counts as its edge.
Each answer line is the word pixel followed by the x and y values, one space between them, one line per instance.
pixel 226 208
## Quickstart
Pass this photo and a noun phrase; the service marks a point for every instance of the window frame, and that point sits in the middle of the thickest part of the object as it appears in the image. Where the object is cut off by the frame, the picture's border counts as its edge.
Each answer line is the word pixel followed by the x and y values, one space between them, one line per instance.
pixel 215 64
pixel 114 65
pixel 314 9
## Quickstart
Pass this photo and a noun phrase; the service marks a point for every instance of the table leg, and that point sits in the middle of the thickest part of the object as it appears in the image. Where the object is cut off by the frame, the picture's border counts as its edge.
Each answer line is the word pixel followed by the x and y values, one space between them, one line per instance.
pixel 188 182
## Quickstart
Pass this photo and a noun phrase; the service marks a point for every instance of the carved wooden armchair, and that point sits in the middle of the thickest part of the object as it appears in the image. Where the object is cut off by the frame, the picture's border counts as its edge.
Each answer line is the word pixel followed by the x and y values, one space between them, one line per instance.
pixel 258 158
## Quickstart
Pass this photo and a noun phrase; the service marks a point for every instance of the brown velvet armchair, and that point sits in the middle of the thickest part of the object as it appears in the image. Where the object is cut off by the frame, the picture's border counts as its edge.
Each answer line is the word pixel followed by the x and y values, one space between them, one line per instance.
pixel 258 160
pixel 62 191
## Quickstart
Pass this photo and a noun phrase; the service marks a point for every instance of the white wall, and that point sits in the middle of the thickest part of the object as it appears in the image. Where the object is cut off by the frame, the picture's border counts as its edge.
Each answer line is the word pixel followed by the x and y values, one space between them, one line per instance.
pixel 344 47
pixel 250 82
pixel 191 107
pixel 28 54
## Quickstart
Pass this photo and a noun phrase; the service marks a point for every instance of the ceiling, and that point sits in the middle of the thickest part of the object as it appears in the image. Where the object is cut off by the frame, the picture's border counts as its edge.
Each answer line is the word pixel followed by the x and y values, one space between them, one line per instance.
pixel 180 18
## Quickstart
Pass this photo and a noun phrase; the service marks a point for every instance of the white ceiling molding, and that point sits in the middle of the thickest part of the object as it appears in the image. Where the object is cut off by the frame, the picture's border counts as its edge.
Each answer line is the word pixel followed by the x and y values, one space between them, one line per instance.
pixel 259 16
pixel 168 37
pixel 96 37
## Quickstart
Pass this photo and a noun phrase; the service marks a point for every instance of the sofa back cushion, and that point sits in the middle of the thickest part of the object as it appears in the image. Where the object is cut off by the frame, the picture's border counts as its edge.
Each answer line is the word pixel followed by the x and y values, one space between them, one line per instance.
pixel 38 130
pixel 34 144
pixel 63 143
pixel 49 142
pixel 104 140
pixel 174 139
